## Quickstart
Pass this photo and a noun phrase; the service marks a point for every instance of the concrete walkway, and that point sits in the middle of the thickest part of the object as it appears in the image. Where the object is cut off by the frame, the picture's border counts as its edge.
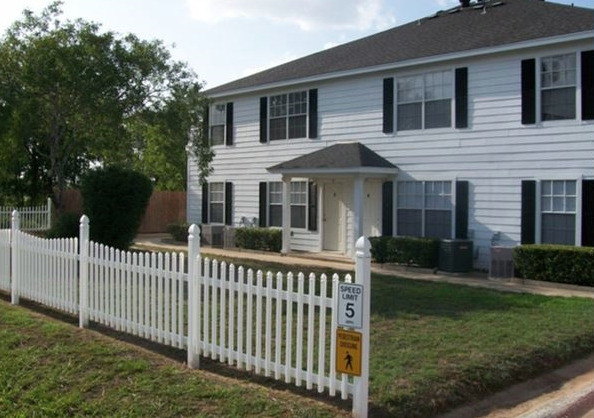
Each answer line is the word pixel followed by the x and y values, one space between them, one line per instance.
pixel 295 260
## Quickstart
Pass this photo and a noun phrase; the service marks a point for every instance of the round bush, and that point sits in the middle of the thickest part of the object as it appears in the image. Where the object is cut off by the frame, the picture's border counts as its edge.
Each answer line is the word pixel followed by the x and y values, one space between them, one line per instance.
pixel 115 200
pixel 67 226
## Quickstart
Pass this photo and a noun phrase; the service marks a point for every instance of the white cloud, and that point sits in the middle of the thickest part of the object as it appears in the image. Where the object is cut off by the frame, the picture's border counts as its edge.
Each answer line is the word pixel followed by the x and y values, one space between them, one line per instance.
pixel 308 15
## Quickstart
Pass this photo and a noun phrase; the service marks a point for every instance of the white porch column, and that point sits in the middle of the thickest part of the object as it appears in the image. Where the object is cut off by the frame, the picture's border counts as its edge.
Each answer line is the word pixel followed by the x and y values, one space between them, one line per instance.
pixel 286 215
pixel 358 185
pixel 394 204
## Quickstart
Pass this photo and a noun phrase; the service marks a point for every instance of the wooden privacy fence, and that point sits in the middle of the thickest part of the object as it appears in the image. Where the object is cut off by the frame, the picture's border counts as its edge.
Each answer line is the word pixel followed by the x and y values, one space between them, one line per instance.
pixel 281 326
pixel 164 208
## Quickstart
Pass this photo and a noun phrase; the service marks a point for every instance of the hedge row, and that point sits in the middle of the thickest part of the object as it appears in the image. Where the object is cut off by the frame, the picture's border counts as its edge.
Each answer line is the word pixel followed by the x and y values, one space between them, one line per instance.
pixel 264 239
pixel 422 252
pixel 555 263
pixel 179 231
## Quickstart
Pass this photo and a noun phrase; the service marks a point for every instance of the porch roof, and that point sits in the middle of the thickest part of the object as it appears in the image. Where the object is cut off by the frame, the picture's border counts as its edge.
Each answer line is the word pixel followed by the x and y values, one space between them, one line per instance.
pixel 342 158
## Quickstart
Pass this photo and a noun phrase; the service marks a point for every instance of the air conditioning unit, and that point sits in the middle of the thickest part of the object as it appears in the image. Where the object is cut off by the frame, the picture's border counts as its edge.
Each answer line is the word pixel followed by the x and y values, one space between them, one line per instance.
pixel 502 263
pixel 455 255
pixel 229 237
pixel 211 235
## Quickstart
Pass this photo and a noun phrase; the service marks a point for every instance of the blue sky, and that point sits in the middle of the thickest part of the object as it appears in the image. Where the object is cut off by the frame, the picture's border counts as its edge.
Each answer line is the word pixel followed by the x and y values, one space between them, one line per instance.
pixel 223 40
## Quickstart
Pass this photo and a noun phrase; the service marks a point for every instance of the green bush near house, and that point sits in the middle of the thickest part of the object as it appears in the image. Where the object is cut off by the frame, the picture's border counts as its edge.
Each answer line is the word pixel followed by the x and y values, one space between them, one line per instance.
pixel 67 226
pixel 422 252
pixel 115 200
pixel 263 239
pixel 179 231
pixel 556 263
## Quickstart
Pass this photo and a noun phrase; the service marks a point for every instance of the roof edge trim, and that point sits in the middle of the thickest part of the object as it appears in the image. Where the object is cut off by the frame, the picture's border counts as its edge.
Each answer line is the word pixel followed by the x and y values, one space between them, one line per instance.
pixel 534 43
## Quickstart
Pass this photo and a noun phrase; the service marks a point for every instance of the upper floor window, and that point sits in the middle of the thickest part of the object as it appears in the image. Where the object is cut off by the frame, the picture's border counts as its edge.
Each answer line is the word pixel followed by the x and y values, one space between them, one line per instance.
pixel 217 126
pixel 424 101
pixel 288 116
pixel 558 87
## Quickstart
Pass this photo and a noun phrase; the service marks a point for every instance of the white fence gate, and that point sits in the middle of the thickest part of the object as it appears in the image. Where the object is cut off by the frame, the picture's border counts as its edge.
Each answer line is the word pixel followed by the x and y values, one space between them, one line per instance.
pixel 281 326
pixel 33 218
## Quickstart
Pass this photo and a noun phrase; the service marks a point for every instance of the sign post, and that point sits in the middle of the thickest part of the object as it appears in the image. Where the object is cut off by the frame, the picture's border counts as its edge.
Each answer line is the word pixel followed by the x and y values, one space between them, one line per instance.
pixel 352 347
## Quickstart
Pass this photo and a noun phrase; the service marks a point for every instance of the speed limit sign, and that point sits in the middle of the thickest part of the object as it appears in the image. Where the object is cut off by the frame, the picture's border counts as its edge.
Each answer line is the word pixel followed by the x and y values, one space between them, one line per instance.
pixel 350 305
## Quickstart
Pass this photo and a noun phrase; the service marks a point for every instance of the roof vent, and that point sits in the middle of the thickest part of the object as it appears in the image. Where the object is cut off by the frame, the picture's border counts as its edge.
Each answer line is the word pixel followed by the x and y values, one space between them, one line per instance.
pixel 465 3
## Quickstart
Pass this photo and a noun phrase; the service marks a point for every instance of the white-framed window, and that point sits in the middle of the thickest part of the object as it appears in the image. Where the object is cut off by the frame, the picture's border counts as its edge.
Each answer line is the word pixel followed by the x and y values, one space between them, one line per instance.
pixel 424 101
pixel 216 203
pixel 558 81
pixel 288 116
pixel 424 209
pixel 298 204
pixel 218 118
pixel 558 211
pixel 275 203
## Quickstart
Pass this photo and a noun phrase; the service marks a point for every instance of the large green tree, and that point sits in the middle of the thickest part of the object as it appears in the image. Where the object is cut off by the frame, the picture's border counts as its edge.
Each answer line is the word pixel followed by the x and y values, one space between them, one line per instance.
pixel 73 97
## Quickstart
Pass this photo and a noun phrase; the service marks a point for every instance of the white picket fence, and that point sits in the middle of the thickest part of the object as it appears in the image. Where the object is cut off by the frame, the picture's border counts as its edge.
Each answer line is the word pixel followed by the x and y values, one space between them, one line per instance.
pixel 33 218
pixel 281 326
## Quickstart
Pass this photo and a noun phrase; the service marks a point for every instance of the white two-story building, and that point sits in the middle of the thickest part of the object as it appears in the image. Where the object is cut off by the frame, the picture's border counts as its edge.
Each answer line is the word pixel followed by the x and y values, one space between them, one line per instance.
pixel 473 123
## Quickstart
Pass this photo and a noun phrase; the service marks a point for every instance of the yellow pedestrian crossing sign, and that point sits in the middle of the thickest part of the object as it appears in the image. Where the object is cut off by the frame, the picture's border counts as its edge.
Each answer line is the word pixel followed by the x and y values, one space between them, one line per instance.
pixel 348 352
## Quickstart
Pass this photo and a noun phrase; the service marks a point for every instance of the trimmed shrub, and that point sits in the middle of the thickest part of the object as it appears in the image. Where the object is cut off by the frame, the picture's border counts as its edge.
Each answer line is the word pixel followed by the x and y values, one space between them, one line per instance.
pixel 67 226
pixel 264 239
pixel 115 199
pixel 556 263
pixel 422 252
pixel 179 231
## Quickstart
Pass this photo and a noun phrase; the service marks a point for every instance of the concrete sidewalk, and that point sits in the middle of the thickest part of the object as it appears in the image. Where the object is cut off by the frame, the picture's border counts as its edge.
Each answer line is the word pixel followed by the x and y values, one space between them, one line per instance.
pixel 163 242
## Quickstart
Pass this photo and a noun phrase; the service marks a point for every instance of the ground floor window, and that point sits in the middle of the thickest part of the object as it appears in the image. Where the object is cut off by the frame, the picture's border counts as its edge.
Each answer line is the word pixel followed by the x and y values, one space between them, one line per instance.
pixel 424 209
pixel 217 202
pixel 303 204
pixel 558 211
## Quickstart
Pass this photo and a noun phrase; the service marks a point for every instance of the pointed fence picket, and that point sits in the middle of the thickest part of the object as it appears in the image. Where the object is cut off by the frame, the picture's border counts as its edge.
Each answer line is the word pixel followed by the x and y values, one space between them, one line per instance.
pixel 281 326
pixel 33 218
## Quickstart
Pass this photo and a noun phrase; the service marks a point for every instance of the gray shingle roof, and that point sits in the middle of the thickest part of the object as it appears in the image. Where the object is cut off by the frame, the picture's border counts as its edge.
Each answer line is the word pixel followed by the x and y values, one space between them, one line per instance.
pixel 337 156
pixel 456 30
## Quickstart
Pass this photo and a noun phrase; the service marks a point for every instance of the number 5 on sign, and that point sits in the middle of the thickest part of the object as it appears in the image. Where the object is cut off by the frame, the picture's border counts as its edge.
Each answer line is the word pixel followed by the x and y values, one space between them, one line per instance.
pixel 350 305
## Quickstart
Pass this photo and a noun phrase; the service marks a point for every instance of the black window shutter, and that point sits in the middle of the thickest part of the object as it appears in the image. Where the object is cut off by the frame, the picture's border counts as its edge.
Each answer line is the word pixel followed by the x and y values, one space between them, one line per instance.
pixel 263 205
pixel 313 113
pixel 588 213
pixel 206 125
pixel 312 206
pixel 388 123
pixel 387 208
pixel 528 91
pixel 461 210
pixel 229 130
pixel 461 98
pixel 528 228
pixel 263 120
pixel 228 203
pixel 588 85
pixel 205 203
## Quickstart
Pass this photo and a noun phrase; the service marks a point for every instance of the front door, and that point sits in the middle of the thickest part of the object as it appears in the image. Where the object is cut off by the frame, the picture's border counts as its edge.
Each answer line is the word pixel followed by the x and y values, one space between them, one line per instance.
pixel 333 217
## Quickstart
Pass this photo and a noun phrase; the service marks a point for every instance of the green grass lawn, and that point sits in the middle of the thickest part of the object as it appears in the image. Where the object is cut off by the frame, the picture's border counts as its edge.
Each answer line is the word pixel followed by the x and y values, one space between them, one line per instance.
pixel 51 368
pixel 433 346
